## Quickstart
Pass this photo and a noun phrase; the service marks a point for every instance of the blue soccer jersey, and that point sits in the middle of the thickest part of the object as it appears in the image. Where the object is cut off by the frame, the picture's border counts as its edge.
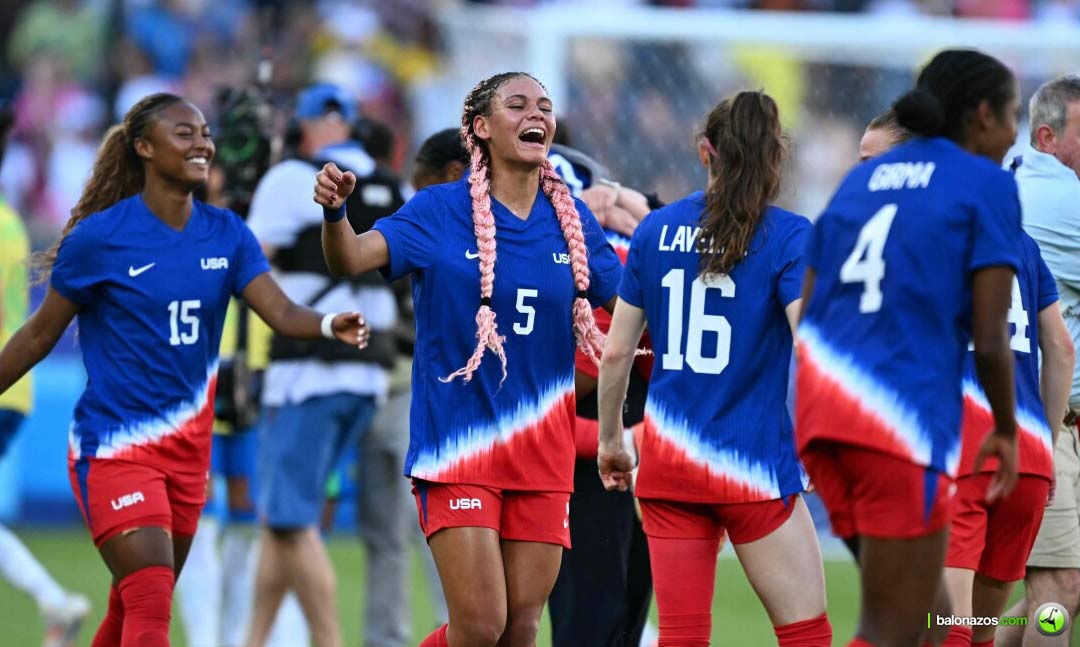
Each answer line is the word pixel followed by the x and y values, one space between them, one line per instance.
pixel 1033 290
pixel 716 426
pixel 517 435
pixel 884 335
pixel 152 303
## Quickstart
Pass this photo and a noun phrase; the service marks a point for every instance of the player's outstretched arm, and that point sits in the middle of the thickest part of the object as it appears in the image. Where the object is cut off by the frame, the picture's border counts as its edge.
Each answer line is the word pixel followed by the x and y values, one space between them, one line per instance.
pixel 291 319
pixel 992 294
pixel 33 341
pixel 346 253
pixel 613 460
pixel 1058 356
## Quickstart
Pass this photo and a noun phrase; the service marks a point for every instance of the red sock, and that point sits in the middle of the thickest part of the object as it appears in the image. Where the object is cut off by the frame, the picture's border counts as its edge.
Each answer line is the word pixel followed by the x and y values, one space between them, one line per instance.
pixel 436 639
pixel 988 643
pixel 683 573
pixel 815 632
pixel 859 642
pixel 147 596
pixel 112 626
pixel 959 636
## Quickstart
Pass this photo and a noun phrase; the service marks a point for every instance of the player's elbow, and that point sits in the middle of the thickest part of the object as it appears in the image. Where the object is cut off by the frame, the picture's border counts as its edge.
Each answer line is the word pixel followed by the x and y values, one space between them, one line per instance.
pixel 1061 348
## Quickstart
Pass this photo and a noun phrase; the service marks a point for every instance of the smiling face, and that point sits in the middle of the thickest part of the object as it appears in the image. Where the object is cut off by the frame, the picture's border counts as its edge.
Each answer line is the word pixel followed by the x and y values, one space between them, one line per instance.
pixel 177 146
pixel 521 124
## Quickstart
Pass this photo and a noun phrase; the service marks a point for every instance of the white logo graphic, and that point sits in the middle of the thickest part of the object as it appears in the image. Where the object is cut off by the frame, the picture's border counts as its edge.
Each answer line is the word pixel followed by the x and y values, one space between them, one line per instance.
pixel 465 504
pixel 127 500
pixel 469 255
pixel 219 263
pixel 560 259
pixel 133 271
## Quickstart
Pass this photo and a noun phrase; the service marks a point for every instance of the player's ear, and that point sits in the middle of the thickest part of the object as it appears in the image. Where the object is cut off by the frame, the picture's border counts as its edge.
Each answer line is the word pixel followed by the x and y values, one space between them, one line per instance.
pixel 703 154
pixel 481 127
pixel 143 148
pixel 985 117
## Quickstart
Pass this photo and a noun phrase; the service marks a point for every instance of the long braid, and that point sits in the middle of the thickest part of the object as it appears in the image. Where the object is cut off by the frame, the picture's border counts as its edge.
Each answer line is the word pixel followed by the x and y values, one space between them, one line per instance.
pixel 589 337
pixel 487 331
pixel 117 173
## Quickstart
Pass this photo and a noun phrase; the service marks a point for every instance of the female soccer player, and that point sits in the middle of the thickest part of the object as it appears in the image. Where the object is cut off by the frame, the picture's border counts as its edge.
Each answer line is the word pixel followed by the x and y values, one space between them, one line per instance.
pixel 989 543
pixel 914 256
pixel 717 276
pixel 883 133
pixel 149 271
pixel 492 445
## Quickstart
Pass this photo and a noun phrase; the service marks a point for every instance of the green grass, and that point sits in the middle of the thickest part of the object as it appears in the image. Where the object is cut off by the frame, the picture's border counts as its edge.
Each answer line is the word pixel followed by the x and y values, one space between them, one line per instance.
pixel 738 618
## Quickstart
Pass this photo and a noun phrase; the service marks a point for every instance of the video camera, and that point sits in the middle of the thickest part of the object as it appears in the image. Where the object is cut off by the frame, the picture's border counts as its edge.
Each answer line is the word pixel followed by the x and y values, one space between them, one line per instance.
pixel 245 141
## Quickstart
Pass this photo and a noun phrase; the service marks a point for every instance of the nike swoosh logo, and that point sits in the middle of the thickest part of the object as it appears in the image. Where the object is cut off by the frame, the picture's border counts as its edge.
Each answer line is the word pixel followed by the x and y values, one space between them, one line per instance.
pixel 132 271
pixel 469 255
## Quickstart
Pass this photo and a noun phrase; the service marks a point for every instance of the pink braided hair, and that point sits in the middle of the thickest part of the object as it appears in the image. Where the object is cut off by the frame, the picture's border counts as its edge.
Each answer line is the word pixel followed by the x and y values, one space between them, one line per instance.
pixel 589 338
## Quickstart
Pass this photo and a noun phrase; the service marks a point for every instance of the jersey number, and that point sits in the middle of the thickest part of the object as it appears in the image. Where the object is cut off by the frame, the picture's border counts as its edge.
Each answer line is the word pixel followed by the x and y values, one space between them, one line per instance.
pixel 527 310
pixel 182 313
pixel 1017 315
pixel 865 264
pixel 700 323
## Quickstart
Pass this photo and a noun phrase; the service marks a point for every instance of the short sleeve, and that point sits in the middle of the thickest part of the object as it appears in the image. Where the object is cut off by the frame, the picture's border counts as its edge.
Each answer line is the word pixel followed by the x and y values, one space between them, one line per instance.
pixel 412 234
pixel 996 233
pixel 605 269
pixel 76 272
pixel 630 286
pixel 281 206
pixel 1048 293
pixel 250 260
pixel 791 262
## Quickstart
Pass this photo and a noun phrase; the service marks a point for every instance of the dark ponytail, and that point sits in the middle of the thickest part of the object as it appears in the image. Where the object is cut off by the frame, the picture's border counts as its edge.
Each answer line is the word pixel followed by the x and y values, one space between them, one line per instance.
pixel 950 88
pixel 746 150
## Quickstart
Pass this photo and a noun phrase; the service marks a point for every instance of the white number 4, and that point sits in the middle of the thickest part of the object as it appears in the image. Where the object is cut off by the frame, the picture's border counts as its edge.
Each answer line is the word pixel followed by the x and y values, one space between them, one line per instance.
pixel 871 269
pixel 527 310
pixel 181 312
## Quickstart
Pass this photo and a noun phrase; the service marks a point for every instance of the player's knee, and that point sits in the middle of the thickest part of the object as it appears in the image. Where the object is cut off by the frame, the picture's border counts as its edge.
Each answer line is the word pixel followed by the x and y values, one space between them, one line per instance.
pixel 521 629
pixel 482 627
pixel 147 598
pixel 1061 585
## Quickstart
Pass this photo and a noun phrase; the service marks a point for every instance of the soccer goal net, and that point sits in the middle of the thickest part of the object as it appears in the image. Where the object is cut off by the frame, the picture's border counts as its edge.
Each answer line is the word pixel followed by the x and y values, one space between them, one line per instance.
pixel 633 84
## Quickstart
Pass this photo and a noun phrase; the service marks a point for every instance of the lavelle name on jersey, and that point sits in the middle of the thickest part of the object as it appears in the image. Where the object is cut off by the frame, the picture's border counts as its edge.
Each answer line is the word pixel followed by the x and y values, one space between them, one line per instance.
pixel 684 239
pixel 902 175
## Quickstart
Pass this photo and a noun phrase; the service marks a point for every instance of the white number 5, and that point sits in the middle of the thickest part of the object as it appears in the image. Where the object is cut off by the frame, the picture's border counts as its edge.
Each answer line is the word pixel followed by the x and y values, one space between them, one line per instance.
pixel 527 310
pixel 181 312
pixel 871 270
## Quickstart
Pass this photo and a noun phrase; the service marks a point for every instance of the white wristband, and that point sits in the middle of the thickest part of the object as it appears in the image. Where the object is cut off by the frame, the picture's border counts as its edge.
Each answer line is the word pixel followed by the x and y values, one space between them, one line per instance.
pixel 327 325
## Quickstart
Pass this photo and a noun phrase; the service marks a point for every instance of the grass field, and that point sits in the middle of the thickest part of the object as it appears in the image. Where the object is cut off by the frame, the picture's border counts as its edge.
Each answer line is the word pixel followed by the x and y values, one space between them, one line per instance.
pixel 738 619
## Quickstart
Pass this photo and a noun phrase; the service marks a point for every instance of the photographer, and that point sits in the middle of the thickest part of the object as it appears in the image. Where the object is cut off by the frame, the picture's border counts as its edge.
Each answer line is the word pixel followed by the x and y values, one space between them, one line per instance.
pixel 318 400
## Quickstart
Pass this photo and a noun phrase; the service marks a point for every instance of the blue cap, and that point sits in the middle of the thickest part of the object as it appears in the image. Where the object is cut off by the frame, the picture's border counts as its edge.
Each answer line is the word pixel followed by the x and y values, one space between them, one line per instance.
pixel 320 99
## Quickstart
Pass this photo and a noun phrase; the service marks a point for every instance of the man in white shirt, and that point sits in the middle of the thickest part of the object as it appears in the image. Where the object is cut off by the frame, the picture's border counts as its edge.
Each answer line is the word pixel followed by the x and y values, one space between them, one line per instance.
pixel 1049 179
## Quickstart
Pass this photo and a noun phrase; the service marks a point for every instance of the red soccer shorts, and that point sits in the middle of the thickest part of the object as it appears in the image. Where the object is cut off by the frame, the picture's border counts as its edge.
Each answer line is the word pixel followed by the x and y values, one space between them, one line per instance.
pixel 744 522
pixel 117 495
pixel 874 494
pixel 516 515
pixel 995 539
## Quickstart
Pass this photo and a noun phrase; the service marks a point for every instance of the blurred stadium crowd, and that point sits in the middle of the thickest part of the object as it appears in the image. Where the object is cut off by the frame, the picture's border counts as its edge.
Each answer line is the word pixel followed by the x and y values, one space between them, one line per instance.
pixel 71 67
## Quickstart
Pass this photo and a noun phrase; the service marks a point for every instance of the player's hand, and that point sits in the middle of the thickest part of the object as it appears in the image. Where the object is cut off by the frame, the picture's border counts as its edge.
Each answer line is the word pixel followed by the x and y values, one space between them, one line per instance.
pixel 332 186
pixel 1004 449
pixel 616 467
pixel 599 198
pixel 622 221
pixel 350 328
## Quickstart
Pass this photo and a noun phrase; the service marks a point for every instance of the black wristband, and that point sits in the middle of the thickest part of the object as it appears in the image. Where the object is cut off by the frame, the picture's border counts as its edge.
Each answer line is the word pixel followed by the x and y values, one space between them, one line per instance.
pixel 333 215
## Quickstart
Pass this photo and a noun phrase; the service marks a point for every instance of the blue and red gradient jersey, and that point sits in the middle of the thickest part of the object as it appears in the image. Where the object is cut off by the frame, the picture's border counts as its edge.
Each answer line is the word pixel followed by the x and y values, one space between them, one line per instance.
pixel 152 303
pixel 1033 290
pixel 716 426
pixel 516 434
pixel 884 336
